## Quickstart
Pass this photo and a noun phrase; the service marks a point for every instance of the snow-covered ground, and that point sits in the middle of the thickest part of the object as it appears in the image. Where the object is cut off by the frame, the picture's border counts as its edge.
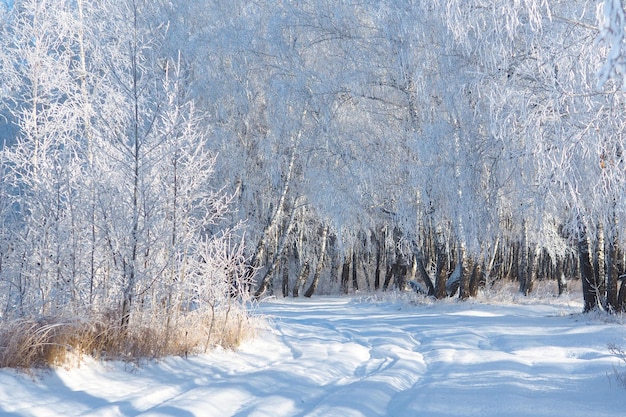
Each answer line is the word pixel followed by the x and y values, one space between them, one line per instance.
pixel 345 357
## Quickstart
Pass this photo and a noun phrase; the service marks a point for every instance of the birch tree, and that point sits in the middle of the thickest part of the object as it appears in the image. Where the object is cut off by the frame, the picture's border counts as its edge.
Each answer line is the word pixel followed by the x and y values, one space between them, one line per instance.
pixel 157 201
pixel 44 169
pixel 110 181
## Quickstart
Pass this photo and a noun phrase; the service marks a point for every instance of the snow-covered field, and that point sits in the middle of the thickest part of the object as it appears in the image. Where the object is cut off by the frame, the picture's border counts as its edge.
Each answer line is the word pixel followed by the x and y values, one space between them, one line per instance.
pixel 347 357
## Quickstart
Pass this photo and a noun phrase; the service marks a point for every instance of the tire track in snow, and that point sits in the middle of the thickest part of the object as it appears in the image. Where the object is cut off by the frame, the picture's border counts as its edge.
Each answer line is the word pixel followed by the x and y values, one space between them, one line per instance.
pixel 375 359
pixel 440 360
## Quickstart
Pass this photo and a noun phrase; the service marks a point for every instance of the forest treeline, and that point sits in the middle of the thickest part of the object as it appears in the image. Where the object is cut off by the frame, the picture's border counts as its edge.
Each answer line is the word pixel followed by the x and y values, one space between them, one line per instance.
pixel 160 157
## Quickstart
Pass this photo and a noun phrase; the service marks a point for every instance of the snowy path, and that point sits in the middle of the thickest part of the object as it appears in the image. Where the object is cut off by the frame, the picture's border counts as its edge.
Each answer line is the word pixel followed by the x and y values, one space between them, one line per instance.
pixel 337 357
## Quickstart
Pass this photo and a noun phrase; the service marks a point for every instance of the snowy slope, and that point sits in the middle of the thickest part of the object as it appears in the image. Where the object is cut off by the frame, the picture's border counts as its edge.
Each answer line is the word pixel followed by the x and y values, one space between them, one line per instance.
pixel 341 357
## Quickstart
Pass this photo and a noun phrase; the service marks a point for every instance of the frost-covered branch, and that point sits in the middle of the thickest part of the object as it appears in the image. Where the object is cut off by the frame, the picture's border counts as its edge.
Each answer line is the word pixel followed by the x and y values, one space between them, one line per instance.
pixel 612 33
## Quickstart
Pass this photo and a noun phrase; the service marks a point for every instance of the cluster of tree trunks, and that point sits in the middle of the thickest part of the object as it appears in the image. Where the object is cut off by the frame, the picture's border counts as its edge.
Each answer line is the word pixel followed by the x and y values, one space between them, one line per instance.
pixel 601 271
pixel 435 268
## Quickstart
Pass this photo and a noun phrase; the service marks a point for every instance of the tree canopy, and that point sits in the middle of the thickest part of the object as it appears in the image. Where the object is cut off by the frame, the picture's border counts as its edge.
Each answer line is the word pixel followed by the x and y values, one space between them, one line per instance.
pixel 365 143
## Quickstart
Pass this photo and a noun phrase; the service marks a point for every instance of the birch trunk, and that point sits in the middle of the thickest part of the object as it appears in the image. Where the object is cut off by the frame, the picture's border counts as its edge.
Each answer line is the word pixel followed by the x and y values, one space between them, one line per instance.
pixel 271 228
pixel 590 295
pixel 304 274
pixel 612 269
pixel 319 266
pixel 600 262
pixel 266 280
pixel 345 273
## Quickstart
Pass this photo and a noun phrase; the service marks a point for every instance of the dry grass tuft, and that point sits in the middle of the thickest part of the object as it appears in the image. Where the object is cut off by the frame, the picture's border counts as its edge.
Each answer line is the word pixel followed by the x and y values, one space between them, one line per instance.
pixel 55 341
pixel 618 372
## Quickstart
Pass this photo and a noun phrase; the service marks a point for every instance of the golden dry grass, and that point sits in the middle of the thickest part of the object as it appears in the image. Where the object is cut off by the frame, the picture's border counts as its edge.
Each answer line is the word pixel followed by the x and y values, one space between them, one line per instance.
pixel 54 341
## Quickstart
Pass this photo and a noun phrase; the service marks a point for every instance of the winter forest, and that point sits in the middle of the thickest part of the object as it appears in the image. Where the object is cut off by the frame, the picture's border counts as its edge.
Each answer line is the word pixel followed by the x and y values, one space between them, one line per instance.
pixel 166 161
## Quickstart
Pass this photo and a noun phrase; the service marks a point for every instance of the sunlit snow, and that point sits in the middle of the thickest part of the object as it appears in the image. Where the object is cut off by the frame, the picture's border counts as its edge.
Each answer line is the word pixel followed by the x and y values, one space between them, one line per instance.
pixel 351 357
